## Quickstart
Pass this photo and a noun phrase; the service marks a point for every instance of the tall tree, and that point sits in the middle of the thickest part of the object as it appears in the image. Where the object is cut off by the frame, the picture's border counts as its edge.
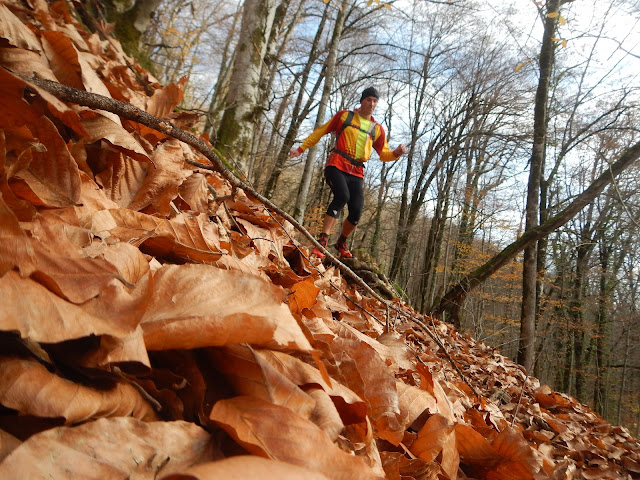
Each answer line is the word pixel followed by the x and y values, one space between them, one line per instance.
pixel 242 103
pixel 526 348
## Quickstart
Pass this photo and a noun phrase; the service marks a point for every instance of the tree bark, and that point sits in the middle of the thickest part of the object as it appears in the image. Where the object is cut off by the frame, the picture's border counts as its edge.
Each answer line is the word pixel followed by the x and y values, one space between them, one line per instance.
pixel 216 105
pixel 526 347
pixel 241 104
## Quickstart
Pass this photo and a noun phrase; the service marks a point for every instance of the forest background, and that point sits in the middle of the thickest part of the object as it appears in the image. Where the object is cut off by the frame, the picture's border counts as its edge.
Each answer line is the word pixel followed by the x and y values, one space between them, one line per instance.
pixel 517 115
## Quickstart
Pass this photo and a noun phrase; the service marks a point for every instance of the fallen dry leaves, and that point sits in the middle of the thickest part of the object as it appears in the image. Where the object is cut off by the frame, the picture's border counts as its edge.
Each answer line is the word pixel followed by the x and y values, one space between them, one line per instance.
pixel 152 329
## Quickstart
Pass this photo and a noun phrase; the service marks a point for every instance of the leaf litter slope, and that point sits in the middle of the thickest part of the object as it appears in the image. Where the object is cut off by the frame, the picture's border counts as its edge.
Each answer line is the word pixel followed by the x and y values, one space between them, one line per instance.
pixel 158 324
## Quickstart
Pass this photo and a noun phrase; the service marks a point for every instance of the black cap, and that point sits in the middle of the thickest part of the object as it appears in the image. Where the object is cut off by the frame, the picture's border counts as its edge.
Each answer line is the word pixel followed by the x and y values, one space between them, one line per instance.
pixel 369 92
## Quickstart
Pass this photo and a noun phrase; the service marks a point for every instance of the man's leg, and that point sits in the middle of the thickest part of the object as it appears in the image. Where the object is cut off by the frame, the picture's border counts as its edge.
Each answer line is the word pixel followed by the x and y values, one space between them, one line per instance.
pixel 338 184
pixel 329 223
pixel 356 203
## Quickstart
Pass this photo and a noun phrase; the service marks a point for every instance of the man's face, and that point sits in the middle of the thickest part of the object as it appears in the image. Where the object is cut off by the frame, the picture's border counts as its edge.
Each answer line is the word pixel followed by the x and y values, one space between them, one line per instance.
pixel 368 105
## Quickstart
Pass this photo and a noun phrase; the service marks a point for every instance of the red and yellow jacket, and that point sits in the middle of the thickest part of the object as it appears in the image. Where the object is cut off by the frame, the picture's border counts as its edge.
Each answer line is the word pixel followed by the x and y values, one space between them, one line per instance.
pixel 353 141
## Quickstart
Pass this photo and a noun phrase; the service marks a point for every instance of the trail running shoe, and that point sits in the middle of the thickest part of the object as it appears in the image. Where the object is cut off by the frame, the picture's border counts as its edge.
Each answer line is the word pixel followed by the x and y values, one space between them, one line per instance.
pixel 341 245
pixel 323 240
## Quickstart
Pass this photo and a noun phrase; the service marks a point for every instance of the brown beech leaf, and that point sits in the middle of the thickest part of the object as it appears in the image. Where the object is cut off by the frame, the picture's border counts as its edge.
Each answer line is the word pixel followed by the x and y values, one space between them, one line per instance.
pixel 113 448
pixel 56 107
pixel 251 264
pixel 53 174
pixel 245 467
pixel 432 386
pixel 508 457
pixel 40 315
pixel 437 437
pixel 8 443
pixel 118 350
pixel 398 466
pixel 161 183
pixel 12 101
pixel 195 193
pixel 414 402
pixel 130 263
pixel 206 310
pixel 89 65
pixel 519 462
pixel 550 400
pixel 351 407
pixel 474 448
pixel 249 374
pixel 394 351
pixel 63 58
pixel 102 128
pixel 269 242
pixel 357 365
pixel 303 295
pixel 28 387
pixel 161 104
pixel 15 155
pixel 16 32
pixel 185 237
pixel 325 414
pixel 15 248
pixel 26 62
pixel 275 432
pixel 60 268
pixel 165 99
pixel 122 177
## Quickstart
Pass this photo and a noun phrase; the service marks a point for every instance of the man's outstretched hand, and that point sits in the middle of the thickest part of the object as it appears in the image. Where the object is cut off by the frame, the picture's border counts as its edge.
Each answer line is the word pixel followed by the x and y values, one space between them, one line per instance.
pixel 295 152
pixel 400 150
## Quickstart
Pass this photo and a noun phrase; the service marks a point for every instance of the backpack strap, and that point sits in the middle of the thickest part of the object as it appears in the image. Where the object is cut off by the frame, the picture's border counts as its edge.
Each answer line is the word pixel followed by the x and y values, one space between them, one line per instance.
pixel 347 123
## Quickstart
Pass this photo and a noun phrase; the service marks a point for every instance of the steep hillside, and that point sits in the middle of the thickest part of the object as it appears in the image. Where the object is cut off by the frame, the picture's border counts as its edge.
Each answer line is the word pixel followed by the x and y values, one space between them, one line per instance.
pixel 158 322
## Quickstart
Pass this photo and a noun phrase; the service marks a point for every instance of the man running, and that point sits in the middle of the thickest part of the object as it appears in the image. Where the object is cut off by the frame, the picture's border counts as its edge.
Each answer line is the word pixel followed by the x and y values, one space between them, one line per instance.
pixel 357 133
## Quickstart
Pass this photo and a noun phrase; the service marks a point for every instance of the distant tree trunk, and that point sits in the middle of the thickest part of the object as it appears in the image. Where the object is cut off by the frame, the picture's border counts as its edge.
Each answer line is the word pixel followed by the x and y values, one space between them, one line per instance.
pixel 242 107
pixel 281 30
pixel 623 374
pixel 216 105
pixel 382 192
pixel 602 324
pixel 436 234
pixel 329 74
pixel 577 314
pixel 404 222
pixel 526 348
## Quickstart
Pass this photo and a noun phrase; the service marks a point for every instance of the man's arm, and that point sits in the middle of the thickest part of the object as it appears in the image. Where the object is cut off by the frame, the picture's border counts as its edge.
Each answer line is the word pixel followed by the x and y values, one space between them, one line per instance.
pixel 331 126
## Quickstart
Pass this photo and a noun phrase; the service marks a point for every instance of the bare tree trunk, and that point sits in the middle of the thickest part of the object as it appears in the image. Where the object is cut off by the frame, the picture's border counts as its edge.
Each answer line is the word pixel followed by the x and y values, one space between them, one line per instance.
pixel 242 107
pixel 221 87
pixel 404 223
pixel 577 314
pixel 600 387
pixel 329 73
pixel 526 348
pixel 623 375
pixel 436 233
